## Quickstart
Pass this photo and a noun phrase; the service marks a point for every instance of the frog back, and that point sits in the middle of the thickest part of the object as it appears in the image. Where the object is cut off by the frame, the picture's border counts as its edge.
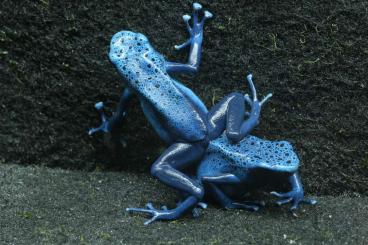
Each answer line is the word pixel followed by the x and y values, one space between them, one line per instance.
pixel 253 152
pixel 171 111
pixel 165 103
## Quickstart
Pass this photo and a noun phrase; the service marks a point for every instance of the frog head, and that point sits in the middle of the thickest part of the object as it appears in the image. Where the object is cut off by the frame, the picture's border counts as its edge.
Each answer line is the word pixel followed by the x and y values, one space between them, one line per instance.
pixel 134 57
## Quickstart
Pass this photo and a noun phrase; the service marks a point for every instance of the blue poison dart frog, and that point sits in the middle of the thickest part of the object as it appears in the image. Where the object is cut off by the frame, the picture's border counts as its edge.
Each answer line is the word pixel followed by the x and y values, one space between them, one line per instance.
pixel 229 160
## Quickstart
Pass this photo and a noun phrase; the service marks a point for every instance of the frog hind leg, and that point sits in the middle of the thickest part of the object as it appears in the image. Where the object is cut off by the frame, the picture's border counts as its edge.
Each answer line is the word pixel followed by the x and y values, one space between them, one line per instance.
pixel 167 169
pixel 111 126
pixel 212 183
pixel 214 171
pixel 230 112
pixel 196 211
pixel 295 196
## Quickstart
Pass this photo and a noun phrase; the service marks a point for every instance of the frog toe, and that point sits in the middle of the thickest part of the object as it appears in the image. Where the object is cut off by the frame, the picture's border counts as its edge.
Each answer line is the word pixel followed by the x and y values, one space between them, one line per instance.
pixel 197 6
pixel 208 14
pixel 196 29
pixel 235 205
pixel 284 201
pixel 310 201
pixel 149 205
pixel 198 26
pixel 104 127
pixel 186 17
pixel 104 122
pixel 153 213
pixel 181 46
pixel 196 212
pixel 202 205
pixel 156 214
pixel 278 194
pixel 296 203
pixel 294 197
pixel 101 128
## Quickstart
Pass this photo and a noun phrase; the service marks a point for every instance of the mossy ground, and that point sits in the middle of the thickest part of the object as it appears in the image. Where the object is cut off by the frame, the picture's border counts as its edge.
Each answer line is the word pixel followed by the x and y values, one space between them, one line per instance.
pixel 40 205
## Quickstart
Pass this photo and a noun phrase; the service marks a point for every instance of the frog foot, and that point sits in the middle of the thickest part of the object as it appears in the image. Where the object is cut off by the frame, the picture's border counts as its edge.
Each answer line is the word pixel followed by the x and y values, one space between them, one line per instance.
pixel 104 127
pixel 196 30
pixel 251 206
pixel 294 197
pixel 196 212
pixel 156 214
pixel 252 101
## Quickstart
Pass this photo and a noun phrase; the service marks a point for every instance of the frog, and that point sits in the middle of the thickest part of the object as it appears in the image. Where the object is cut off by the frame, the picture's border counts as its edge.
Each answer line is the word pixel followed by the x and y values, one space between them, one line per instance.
pixel 177 114
pixel 230 171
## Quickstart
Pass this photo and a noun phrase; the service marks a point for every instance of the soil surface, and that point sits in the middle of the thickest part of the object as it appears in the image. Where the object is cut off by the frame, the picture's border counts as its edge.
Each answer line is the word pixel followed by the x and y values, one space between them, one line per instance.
pixel 52 206
pixel 311 54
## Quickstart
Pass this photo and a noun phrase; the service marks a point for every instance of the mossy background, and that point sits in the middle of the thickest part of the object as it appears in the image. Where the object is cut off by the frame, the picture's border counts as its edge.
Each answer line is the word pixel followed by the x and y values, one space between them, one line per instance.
pixel 313 55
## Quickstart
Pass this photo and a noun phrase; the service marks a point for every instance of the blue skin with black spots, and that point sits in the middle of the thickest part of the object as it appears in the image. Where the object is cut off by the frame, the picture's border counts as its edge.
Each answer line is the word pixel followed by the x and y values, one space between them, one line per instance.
pixel 216 139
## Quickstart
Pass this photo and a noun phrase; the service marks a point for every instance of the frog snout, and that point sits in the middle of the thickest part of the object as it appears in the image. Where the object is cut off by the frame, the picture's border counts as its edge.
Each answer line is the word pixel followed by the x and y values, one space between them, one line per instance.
pixel 113 55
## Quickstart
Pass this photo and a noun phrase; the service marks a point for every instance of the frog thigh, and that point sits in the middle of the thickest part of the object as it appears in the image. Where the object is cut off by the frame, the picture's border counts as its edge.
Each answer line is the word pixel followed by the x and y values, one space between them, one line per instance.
pixel 213 165
pixel 192 96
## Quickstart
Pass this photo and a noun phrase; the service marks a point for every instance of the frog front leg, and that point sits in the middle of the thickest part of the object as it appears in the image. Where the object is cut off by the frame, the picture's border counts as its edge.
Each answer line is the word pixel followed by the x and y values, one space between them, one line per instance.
pixel 195 42
pixel 230 112
pixel 167 169
pixel 112 125
pixel 296 195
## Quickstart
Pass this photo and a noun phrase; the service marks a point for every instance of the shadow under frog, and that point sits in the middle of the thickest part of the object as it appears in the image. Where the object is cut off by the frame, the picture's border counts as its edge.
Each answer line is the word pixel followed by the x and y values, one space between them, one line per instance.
pixel 216 140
